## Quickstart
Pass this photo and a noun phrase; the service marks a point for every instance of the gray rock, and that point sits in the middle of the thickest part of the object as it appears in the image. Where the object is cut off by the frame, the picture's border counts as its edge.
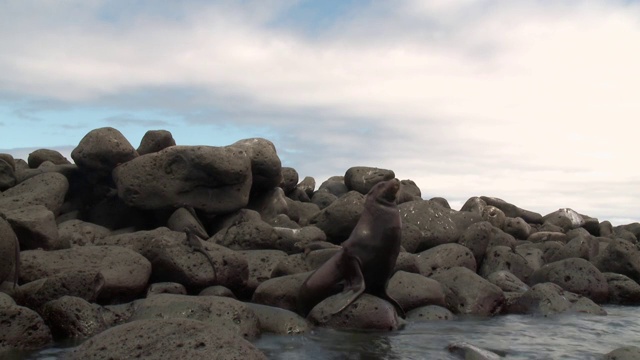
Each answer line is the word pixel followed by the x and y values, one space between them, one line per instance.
pixel 269 204
pixel 411 237
pixel 548 248
pixel 575 275
pixel 223 312
pixel 414 290
pixel 308 185
pixel 334 185
pixel 42 155
pixel 323 198
pixel 430 313
pixel 494 216
pixel 164 339
pixel 517 227
pixel 35 227
pixel 7 175
pixel 100 151
pixel 476 238
pixel 9 248
pixel 620 257
pixel 437 224
pixel 468 293
pixel 212 179
pixel 154 141
pixel 299 240
pixel 280 292
pixel 468 351
pixel 444 257
pixel 22 329
pixel 304 262
pixel 503 258
pixel 261 264
pixel 440 201
pixel 302 212
pixel 566 218
pixel 124 271
pixel 408 191
pixel 166 288
pixel 266 167
pixel 73 317
pixel 289 180
pixel 340 218
pixel 217 290
pixel 542 236
pixel 79 233
pixel 367 312
pixel 606 229
pixel 506 281
pixel 363 178
pixel 533 255
pixel 184 219
pixel 513 211
pixel 82 284
pixel 248 235
pixel 623 353
pixel 279 321
pixel 406 262
pixel 622 290
pixel 47 189
pixel 547 299
pixel 585 247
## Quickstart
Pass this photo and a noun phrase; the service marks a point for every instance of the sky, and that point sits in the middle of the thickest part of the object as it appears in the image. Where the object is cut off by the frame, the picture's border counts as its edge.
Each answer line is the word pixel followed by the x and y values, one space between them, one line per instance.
pixel 535 102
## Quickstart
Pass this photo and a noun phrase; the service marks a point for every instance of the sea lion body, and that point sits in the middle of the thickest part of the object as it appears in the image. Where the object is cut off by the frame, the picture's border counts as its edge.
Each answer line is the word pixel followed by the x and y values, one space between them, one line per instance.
pixel 367 258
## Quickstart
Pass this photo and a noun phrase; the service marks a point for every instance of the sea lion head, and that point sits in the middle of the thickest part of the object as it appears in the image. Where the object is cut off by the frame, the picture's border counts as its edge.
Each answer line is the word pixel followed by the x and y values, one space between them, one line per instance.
pixel 385 192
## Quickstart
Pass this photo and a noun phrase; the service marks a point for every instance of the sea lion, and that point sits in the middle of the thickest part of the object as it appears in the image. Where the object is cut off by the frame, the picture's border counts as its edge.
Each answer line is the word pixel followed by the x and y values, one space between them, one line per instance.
pixel 366 260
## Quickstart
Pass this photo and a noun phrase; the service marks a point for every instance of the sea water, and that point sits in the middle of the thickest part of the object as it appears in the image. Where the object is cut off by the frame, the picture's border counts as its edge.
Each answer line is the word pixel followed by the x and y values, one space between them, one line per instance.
pixel 575 336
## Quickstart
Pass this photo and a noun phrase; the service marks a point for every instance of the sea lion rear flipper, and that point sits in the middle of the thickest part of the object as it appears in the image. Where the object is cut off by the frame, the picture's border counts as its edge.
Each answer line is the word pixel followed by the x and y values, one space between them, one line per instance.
pixel 354 287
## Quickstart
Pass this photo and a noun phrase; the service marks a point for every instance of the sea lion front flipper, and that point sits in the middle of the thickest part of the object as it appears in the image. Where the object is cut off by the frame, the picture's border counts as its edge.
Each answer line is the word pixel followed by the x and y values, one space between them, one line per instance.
pixel 354 287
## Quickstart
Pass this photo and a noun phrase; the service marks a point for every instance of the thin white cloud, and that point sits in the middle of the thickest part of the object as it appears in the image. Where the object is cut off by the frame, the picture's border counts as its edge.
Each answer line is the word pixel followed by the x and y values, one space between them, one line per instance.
pixel 535 102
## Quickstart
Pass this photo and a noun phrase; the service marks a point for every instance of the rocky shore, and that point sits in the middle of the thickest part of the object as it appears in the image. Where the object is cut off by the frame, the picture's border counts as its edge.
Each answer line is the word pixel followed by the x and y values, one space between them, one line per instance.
pixel 169 251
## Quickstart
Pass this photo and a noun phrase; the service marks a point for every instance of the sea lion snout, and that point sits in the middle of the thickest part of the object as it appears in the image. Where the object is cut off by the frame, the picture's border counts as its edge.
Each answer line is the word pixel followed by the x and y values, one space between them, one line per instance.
pixel 389 189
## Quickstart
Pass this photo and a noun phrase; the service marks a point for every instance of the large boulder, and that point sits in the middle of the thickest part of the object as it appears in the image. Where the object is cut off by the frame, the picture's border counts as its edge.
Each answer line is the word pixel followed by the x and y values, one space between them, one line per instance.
pixel 575 275
pixel 547 299
pixel 261 264
pixel 35 227
pixel 154 141
pixel 363 178
pixel 622 290
pixel 76 232
pixel 280 292
pixel 100 151
pixel 73 317
pixel 566 218
pixel 279 321
pixel 40 156
pixel 504 258
pixel 340 218
pixel 212 179
pixel 7 175
pixel 266 167
pixel 224 313
pixel 9 248
pixel 164 339
pixel 22 329
pixel 468 293
pixel 437 224
pixel 513 211
pixel 125 272
pixel 367 312
pixel 47 189
pixel 444 257
pixel 621 257
pixel 414 290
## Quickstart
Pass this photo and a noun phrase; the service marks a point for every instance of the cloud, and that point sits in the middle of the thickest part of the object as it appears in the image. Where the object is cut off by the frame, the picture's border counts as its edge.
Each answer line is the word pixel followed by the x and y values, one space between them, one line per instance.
pixel 530 101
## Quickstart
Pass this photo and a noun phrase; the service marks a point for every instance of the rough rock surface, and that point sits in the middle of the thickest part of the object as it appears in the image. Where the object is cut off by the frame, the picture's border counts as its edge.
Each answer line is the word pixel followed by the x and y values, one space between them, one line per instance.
pixel 47 189
pixel 22 329
pixel 166 339
pixel 575 275
pixel 101 150
pixel 468 293
pixel 414 290
pixel 367 312
pixel 363 178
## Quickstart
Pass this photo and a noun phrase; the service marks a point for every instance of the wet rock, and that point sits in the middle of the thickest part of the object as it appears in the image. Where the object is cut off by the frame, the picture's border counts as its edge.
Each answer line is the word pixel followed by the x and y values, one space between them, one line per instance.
pixel 212 179
pixel 430 313
pixel 279 321
pixel 42 155
pixel 506 281
pixel 154 141
pixel 367 312
pixel 547 299
pixel 517 227
pixel 166 288
pixel 9 248
pixel 622 290
pixel 7 175
pixel 565 218
pixel 471 352
pixel 414 290
pixel 575 275
pixel 503 258
pixel 266 167
pixel 166 339
pixel 73 317
pixel 340 218
pixel 124 271
pixel 280 292
pixel 35 227
pixel 363 178
pixel 22 329
pixel 261 264
pixel 79 233
pixel 223 312
pixel 513 211
pixel 620 257
pixel 217 290
pixel 100 151
pixel 444 257
pixel 437 224
pixel 47 189
pixel 623 353
pixel 468 293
